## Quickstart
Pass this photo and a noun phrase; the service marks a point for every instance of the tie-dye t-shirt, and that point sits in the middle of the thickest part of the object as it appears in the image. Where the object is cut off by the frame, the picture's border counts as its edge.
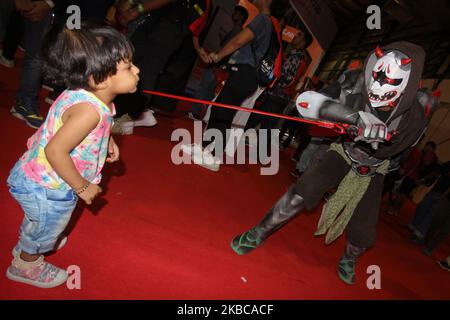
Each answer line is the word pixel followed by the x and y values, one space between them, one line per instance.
pixel 89 156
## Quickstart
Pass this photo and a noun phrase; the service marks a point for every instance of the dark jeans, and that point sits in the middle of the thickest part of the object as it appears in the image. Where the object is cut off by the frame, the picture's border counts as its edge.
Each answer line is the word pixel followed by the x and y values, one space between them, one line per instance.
pixel 30 79
pixel 440 225
pixel 240 84
pixel 175 75
pixel 155 42
pixel 6 9
pixel 205 91
pixel 270 104
pixel 14 32
pixel 424 213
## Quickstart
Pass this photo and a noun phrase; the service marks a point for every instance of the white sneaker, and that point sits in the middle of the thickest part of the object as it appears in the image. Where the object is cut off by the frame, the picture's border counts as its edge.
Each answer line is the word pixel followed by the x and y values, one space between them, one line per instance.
pixel 124 125
pixel 192 117
pixel 5 62
pixel 47 87
pixel 202 157
pixel 147 119
pixel 191 149
pixel 206 160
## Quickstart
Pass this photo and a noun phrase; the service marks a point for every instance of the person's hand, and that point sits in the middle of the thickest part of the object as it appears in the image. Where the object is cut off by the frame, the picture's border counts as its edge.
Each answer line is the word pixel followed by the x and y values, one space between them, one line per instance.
pixel 204 55
pixel 23 5
pixel 39 11
pixel 214 57
pixel 127 14
pixel 371 129
pixel 113 151
pixel 92 191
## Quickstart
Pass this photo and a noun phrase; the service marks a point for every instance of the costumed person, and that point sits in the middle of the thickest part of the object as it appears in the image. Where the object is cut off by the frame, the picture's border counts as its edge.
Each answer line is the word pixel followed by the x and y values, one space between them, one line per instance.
pixel 391 118
pixel 65 157
pixel 317 139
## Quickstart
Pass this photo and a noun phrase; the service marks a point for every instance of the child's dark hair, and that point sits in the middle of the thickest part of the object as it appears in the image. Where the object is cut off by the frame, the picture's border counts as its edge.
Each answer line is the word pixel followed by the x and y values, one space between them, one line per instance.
pixel 70 57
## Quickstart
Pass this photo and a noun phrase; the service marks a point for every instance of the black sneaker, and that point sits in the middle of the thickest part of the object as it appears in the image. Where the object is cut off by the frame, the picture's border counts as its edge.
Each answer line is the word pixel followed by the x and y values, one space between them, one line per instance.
pixel 193 117
pixel 444 265
pixel 31 118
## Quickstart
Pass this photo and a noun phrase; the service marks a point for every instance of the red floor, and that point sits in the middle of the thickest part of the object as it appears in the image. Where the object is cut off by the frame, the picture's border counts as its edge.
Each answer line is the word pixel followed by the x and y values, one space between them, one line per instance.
pixel 162 232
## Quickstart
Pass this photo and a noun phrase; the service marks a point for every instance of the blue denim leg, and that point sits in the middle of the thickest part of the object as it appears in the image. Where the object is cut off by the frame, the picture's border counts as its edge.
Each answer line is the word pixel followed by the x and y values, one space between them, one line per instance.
pixel 423 217
pixel 47 212
pixel 30 79
pixel 205 90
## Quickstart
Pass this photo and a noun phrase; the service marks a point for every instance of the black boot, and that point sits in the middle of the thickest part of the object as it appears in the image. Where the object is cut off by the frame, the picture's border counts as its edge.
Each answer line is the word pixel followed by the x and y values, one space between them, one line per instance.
pixel 284 210
pixel 347 264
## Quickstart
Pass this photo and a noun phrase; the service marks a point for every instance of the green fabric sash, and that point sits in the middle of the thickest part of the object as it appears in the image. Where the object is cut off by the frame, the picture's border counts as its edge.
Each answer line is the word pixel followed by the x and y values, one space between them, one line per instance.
pixel 349 193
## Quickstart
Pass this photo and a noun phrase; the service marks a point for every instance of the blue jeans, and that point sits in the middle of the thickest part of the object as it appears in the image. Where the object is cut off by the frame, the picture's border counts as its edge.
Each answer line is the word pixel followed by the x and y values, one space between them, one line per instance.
pixel 424 214
pixel 47 212
pixel 205 91
pixel 30 79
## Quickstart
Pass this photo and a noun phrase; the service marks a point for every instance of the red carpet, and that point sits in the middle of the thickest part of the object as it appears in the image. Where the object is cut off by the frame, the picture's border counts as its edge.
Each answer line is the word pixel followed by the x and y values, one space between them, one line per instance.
pixel 162 231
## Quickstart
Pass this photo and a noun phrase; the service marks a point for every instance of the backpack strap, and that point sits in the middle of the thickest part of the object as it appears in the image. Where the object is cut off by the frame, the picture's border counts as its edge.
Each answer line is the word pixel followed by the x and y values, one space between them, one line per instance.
pixel 278 61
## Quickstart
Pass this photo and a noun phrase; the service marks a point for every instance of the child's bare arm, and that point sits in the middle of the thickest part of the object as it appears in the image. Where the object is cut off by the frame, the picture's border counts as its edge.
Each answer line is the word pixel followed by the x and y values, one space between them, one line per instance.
pixel 78 121
pixel 113 151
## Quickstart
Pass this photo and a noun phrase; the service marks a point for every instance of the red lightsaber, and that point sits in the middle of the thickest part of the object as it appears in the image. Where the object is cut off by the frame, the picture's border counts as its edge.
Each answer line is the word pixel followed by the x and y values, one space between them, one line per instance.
pixel 341 128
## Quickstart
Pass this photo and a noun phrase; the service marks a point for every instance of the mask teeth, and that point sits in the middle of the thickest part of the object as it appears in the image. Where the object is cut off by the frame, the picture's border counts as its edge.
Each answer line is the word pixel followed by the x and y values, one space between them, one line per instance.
pixel 386 96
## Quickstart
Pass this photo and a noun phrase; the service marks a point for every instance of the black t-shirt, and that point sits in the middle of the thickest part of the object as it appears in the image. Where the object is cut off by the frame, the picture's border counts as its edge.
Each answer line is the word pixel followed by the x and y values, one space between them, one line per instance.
pixel 182 11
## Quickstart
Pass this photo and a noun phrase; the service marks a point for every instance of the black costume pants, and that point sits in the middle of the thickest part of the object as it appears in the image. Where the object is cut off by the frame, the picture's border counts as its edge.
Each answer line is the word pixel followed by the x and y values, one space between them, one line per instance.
pixel 326 173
